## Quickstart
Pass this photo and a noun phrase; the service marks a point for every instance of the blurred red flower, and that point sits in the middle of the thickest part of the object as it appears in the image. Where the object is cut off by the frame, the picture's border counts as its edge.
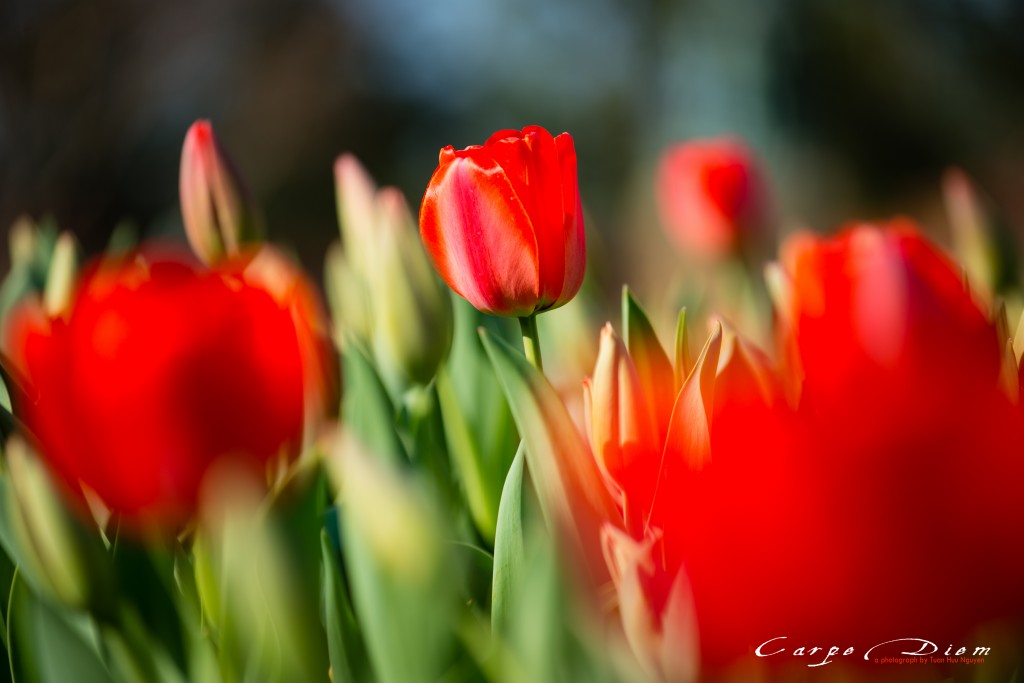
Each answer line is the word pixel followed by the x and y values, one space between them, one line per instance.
pixel 503 223
pixel 712 196
pixel 914 440
pixel 841 518
pixel 159 368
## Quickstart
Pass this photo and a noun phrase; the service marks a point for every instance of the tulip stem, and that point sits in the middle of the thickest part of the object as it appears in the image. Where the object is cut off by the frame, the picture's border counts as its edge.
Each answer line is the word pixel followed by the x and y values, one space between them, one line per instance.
pixel 531 340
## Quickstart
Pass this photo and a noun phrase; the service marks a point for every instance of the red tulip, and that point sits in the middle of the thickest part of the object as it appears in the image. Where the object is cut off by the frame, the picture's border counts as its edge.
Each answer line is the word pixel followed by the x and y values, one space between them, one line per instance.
pixel 159 369
pixel 712 197
pixel 912 431
pixel 834 522
pixel 503 223
pixel 880 318
pixel 699 507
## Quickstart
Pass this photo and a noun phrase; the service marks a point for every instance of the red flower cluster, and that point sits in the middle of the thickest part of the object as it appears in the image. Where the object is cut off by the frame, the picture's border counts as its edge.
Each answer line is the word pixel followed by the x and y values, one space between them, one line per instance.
pixel 158 368
pixel 881 504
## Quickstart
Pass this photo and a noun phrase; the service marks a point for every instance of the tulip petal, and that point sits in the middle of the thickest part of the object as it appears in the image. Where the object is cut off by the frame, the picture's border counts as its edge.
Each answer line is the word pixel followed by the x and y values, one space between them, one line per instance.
pixel 659 621
pixel 688 444
pixel 652 364
pixel 479 235
pixel 531 163
pixel 623 431
pixel 569 485
pixel 572 220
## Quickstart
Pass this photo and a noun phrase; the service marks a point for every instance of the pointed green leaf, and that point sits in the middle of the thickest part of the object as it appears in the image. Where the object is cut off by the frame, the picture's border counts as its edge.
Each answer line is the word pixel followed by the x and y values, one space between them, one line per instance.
pixel 467 460
pixel 344 644
pixel 400 570
pixel 478 425
pixel 508 546
pixel 51 645
pixel 367 410
pixel 570 488
pixel 683 361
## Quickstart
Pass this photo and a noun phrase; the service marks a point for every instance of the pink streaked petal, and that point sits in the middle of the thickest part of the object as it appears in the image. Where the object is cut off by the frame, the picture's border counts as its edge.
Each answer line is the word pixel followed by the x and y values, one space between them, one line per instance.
pixel 480 238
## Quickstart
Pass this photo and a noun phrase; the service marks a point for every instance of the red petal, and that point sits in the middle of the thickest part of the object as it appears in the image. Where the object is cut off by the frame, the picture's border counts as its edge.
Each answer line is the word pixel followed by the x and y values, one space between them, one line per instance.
pixel 479 236
pixel 575 246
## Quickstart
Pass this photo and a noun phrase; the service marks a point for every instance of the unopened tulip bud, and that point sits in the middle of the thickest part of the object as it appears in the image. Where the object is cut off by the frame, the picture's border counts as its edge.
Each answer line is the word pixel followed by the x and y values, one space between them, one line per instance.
pixel 60 279
pixel 974 240
pixel 413 312
pixel 381 283
pixel 53 548
pixel 218 213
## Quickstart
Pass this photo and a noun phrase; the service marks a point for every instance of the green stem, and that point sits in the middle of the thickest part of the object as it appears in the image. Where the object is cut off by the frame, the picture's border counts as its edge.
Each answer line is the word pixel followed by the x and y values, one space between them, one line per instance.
pixel 531 340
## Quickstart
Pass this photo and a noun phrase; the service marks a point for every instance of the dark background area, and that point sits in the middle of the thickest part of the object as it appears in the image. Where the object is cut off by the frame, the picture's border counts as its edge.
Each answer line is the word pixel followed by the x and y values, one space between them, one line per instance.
pixel 855 107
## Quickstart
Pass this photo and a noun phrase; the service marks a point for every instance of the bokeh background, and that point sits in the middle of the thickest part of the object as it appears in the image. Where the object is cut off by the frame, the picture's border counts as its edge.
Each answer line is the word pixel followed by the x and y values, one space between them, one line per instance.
pixel 855 107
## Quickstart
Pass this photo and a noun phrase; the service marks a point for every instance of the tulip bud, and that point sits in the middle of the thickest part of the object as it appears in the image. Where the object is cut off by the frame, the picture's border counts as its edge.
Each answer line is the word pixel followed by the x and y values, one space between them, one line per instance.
pixel 973 238
pixel 55 551
pixel 656 608
pixel 381 284
pixel 218 213
pixel 400 572
pixel 60 278
pixel 503 222
pixel 413 312
pixel 712 197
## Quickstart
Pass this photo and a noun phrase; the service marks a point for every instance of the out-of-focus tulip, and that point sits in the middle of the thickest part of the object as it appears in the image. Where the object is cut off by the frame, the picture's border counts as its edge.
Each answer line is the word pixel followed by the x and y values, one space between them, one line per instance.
pixel 503 222
pixel 879 318
pixel 827 522
pixel 158 369
pixel 218 213
pixel 382 286
pixel 712 196
pixel 900 391
pixel 684 499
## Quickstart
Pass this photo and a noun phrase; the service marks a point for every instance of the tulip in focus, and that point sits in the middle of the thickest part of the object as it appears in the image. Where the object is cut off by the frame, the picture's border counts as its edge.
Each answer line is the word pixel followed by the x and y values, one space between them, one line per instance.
pixel 218 214
pixel 712 197
pixel 158 369
pixel 503 222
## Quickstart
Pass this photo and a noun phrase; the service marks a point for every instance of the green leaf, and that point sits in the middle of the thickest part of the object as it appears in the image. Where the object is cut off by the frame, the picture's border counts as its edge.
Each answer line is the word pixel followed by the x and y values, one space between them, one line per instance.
pixel 52 645
pixel 400 569
pixel 478 425
pixel 683 361
pixel 366 409
pixel 571 491
pixel 469 463
pixel 652 365
pixel 508 546
pixel 344 643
